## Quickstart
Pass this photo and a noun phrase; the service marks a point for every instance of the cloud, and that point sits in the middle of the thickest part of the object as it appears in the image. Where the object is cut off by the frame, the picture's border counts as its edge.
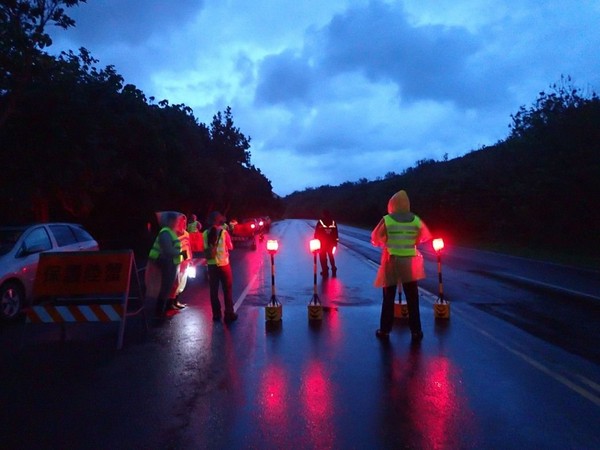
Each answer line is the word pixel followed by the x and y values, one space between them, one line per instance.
pixel 129 22
pixel 346 89
pixel 426 62
pixel 138 37
pixel 284 78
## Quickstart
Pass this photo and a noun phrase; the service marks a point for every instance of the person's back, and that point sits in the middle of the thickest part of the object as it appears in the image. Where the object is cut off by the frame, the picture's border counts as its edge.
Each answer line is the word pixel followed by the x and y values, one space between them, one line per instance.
pixel 326 230
pixel 327 233
pixel 398 233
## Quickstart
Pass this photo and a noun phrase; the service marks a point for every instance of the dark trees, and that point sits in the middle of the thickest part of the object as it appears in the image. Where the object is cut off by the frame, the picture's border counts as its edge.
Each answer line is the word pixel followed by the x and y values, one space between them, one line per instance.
pixel 537 190
pixel 23 38
pixel 80 144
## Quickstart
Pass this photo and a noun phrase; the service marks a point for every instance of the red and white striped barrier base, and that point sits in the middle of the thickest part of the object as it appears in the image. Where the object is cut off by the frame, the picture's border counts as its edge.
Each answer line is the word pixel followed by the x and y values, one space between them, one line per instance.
pixel 75 313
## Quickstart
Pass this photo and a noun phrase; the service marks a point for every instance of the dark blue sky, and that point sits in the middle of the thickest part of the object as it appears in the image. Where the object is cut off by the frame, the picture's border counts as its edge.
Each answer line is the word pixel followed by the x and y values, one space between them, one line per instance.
pixel 337 90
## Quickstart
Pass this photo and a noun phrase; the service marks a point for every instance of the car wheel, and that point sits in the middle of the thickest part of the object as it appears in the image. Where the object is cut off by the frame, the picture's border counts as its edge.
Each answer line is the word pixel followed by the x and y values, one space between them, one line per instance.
pixel 12 299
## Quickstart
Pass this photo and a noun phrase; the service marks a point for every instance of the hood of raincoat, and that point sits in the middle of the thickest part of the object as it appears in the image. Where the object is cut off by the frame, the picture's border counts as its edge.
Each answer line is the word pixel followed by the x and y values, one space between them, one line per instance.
pixel 166 218
pixel 399 207
pixel 399 203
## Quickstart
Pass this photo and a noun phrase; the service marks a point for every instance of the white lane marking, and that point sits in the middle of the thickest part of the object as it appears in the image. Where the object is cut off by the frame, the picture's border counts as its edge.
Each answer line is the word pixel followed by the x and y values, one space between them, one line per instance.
pixel 595 399
pixel 548 285
pixel 243 295
pixel 590 383
pixel 542 368
pixel 430 298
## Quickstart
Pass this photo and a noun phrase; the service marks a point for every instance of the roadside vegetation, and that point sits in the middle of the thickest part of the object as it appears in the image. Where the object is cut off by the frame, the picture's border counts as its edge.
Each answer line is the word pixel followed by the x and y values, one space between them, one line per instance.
pixel 80 144
pixel 77 143
pixel 535 193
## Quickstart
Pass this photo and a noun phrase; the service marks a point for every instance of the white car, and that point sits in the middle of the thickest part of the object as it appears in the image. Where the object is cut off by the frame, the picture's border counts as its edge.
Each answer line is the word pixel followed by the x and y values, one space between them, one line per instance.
pixel 20 249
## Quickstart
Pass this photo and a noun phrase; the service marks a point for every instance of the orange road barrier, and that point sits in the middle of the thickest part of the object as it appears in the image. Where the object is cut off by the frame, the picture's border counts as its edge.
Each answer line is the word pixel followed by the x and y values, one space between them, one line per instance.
pixel 86 287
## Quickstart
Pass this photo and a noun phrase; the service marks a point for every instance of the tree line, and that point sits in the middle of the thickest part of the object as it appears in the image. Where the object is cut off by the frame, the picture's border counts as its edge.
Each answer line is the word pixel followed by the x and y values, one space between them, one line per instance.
pixel 78 143
pixel 537 191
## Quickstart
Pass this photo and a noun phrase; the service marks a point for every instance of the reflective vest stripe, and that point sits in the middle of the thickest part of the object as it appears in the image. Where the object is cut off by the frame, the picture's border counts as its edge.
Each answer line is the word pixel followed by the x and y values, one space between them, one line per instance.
pixel 155 250
pixel 402 236
pixel 327 226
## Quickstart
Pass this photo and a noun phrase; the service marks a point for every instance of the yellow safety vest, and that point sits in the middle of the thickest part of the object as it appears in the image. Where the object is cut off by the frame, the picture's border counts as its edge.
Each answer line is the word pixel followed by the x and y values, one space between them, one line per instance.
pixel 193 227
pixel 222 258
pixel 155 250
pixel 402 236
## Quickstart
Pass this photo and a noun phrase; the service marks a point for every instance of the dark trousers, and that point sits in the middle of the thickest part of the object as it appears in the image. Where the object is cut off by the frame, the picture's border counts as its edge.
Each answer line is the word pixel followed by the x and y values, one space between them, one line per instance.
pixel 220 276
pixel 323 254
pixel 411 291
pixel 168 275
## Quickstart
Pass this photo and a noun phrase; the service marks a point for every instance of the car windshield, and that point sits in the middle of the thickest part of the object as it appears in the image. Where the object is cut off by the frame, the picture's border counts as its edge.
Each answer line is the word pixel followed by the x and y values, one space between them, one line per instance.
pixel 8 238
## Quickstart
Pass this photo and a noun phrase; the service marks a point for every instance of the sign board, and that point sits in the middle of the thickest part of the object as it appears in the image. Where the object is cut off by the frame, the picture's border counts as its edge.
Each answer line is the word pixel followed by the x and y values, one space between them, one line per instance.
pixel 85 287
pixel 82 273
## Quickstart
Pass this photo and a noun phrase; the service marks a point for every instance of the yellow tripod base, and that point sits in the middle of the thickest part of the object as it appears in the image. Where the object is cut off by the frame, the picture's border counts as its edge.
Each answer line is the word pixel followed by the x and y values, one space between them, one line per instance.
pixel 273 313
pixel 400 311
pixel 315 312
pixel 441 309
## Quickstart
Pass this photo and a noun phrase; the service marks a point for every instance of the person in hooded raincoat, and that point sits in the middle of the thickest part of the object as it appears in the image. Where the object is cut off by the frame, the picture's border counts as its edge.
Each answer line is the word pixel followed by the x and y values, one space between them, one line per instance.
pixel 163 262
pixel 398 233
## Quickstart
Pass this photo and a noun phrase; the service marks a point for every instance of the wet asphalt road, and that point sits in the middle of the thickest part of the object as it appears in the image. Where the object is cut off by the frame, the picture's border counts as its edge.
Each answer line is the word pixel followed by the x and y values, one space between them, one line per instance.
pixel 516 366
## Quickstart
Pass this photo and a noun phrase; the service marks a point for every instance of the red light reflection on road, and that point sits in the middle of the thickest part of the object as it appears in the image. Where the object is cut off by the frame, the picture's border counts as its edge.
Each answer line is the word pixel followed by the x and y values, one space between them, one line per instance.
pixel 273 396
pixel 439 404
pixel 317 405
pixel 428 387
pixel 332 291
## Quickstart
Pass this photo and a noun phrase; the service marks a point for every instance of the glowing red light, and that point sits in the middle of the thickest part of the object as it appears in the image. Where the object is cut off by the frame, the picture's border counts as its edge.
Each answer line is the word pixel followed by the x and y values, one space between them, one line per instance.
pixel 252 225
pixel 272 245
pixel 315 245
pixel 438 244
pixel 261 223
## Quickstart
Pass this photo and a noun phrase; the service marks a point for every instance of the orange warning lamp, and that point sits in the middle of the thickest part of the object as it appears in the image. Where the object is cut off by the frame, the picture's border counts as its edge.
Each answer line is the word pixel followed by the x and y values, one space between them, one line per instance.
pixel 315 245
pixel 272 245
pixel 438 244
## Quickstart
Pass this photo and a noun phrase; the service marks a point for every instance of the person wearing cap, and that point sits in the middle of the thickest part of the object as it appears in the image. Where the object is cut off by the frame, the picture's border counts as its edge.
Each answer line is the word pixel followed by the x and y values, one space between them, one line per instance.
pixel 399 233
pixel 327 233
pixel 217 244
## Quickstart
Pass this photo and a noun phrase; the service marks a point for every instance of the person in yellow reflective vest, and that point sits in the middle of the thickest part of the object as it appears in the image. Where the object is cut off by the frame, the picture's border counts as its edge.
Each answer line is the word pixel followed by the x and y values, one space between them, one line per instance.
pixel 399 233
pixel 327 233
pixel 194 226
pixel 186 251
pixel 167 255
pixel 217 244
